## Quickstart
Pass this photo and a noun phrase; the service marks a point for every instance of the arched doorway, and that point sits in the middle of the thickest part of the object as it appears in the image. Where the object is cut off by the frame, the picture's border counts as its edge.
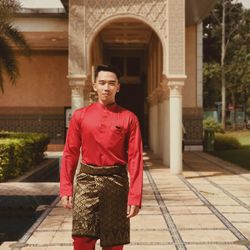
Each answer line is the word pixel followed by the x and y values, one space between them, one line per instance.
pixel 136 50
pixel 87 20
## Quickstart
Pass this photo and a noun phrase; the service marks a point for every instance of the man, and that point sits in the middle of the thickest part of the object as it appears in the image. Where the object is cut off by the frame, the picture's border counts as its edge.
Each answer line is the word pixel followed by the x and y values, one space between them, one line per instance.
pixel 110 141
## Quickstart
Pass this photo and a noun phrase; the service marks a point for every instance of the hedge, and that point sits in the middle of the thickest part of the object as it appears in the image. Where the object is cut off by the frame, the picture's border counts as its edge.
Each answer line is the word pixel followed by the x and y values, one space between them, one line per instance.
pixel 211 123
pixel 225 142
pixel 20 152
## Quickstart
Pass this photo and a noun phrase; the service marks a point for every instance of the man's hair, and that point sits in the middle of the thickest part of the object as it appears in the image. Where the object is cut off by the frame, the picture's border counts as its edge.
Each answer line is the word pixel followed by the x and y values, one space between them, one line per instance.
pixel 109 68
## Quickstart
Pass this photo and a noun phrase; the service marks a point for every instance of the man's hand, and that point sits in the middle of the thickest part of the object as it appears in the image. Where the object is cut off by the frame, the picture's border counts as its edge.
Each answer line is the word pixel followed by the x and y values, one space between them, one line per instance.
pixel 132 211
pixel 67 201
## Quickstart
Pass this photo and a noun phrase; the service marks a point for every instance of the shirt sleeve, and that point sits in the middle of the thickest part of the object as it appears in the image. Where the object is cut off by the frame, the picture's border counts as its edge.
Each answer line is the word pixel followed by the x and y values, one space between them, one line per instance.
pixel 70 156
pixel 135 163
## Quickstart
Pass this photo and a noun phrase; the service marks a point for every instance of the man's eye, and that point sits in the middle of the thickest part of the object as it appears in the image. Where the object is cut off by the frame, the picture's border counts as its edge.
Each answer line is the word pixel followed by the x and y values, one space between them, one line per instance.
pixel 108 82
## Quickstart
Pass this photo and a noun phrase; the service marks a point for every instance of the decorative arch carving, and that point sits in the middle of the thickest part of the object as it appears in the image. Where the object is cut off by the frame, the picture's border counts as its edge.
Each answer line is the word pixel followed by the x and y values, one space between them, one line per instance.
pixel 99 13
pixel 154 13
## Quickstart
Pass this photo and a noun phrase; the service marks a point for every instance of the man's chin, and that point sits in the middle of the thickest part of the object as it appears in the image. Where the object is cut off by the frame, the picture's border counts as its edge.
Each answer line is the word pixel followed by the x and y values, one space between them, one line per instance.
pixel 107 100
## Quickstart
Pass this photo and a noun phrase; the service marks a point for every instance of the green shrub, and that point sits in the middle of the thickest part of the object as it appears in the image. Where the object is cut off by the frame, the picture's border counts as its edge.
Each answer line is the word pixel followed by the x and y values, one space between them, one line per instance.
pixel 228 123
pixel 225 142
pixel 211 123
pixel 6 157
pixel 19 152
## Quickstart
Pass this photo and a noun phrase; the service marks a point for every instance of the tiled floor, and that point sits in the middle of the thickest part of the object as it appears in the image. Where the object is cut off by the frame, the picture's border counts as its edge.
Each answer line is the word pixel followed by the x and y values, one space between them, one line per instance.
pixel 29 188
pixel 208 207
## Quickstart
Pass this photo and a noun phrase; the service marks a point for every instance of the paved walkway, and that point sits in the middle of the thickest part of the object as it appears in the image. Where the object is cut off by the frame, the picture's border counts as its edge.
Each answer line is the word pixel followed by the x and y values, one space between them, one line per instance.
pixel 208 207
pixel 28 188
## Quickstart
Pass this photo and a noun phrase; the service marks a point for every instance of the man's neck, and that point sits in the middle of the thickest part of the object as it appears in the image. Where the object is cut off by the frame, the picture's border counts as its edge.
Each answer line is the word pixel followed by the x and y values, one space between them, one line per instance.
pixel 106 103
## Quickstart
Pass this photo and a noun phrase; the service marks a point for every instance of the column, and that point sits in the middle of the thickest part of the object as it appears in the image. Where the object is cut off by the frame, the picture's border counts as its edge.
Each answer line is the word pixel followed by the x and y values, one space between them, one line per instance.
pixel 77 84
pixel 160 122
pixel 165 121
pixel 155 131
pixel 175 115
pixel 150 124
pixel 174 71
pixel 153 122
pixel 77 53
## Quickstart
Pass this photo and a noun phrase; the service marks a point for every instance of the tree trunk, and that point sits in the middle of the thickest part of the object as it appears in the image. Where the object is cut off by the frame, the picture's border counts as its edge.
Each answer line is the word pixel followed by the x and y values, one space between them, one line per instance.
pixel 223 80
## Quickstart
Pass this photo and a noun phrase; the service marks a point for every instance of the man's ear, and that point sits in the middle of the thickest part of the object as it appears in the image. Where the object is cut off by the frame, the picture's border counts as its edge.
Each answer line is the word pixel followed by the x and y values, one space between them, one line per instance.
pixel 94 86
pixel 118 87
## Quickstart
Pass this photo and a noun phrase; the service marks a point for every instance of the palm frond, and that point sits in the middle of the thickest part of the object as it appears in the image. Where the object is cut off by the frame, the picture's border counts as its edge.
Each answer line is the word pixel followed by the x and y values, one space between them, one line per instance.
pixel 8 60
pixel 18 38
pixel 8 8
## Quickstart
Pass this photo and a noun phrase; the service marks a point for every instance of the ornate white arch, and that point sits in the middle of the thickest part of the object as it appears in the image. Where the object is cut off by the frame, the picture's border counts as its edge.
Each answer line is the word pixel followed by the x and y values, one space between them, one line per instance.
pixel 99 13
pixel 153 11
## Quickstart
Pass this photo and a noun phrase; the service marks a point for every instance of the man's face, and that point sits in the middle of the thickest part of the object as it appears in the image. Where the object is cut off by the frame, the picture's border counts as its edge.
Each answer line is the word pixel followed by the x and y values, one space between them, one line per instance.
pixel 106 86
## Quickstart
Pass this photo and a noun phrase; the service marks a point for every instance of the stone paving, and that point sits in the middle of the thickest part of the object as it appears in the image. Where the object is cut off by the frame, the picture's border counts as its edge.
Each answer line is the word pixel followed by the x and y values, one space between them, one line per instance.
pixel 208 207
pixel 29 188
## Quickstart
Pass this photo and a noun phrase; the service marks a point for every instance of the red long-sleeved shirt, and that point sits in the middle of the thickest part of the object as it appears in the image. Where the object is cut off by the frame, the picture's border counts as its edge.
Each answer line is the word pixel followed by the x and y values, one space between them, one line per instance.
pixel 107 135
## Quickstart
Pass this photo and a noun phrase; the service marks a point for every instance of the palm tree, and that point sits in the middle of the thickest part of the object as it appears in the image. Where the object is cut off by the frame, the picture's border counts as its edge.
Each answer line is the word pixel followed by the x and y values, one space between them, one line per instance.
pixel 10 36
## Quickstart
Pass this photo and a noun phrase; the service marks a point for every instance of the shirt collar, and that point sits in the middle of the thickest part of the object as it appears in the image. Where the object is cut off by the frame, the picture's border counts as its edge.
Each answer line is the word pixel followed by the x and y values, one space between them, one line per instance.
pixel 111 106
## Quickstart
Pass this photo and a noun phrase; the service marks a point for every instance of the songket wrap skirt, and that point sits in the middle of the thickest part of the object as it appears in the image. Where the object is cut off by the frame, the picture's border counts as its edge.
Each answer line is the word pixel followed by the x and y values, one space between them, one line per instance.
pixel 100 204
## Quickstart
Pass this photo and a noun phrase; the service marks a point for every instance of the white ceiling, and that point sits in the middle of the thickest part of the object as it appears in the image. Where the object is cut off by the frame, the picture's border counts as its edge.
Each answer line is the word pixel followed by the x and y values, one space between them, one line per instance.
pixel 126 33
pixel 44 4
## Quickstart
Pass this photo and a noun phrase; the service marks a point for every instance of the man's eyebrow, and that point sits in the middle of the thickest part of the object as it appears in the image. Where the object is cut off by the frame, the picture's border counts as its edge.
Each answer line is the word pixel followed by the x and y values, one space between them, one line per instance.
pixel 107 81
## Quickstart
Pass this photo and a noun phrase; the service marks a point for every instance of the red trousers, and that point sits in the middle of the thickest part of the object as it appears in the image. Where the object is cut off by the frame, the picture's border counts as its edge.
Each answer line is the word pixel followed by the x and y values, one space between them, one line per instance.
pixel 85 243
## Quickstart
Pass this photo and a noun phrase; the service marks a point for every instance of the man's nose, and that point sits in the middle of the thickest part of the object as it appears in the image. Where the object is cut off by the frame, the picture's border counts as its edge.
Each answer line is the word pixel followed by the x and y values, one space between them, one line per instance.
pixel 106 86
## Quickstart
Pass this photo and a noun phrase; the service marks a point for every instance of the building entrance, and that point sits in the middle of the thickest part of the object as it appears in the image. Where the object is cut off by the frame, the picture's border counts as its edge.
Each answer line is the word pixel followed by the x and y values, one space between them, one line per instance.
pixel 132 66
pixel 128 44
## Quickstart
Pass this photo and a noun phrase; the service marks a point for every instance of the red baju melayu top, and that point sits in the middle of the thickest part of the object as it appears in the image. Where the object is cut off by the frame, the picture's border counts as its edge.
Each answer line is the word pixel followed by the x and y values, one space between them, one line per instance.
pixel 107 135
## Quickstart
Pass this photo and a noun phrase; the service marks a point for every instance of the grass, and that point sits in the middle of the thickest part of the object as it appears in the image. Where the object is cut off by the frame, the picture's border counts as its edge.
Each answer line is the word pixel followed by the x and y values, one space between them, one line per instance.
pixel 238 156
pixel 242 136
